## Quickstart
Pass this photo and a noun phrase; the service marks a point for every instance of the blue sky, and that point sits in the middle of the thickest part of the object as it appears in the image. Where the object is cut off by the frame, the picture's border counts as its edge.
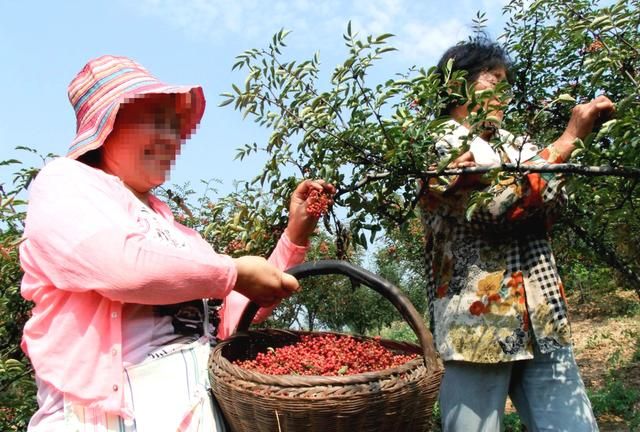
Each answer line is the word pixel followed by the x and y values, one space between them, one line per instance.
pixel 43 45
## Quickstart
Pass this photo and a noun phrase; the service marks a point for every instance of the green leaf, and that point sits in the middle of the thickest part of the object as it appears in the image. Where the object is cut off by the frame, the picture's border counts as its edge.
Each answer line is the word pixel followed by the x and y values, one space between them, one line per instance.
pixel 470 210
pixel 384 36
pixel 386 49
pixel 565 97
pixel 29 149
pixel 448 68
pixel 599 20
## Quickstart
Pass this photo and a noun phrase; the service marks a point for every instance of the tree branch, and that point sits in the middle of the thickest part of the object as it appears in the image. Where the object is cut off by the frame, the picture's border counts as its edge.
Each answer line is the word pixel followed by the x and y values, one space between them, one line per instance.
pixel 373 110
pixel 607 255
pixel 308 88
pixel 16 378
pixel 303 126
pixel 589 171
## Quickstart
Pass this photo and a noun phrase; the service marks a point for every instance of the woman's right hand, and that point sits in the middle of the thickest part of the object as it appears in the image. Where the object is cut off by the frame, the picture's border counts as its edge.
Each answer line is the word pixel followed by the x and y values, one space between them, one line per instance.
pixel 262 282
pixel 584 116
pixel 581 123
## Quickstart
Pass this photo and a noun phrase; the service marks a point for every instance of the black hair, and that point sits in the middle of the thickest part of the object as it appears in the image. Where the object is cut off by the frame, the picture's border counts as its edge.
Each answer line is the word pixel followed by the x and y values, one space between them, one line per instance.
pixel 474 57
pixel 93 158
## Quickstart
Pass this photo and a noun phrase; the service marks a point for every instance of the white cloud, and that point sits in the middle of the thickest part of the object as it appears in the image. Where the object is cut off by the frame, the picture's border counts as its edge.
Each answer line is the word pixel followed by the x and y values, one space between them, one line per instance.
pixel 216 19
pixel 423 29
pixel 379 16
pixel 426 41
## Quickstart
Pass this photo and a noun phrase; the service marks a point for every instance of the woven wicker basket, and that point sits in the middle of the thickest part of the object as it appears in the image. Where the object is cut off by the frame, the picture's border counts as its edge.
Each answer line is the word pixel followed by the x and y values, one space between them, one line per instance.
pixel 397 399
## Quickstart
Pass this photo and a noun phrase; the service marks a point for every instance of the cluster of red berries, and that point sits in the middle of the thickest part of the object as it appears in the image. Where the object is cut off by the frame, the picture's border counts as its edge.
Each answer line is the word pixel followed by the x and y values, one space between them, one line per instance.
pixel 595 46
pixel 318 203
pixel 329 355
pixel 234 246
pixel 323 248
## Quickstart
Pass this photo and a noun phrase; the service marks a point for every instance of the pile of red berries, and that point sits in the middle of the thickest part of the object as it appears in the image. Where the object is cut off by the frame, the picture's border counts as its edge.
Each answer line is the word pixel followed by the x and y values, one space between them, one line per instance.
pixel 234 246
pixel 328 355
pixel 318 203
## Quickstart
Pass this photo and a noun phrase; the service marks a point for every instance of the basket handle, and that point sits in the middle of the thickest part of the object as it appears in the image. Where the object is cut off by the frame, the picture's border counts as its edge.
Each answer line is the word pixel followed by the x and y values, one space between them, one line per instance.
pixel 365 277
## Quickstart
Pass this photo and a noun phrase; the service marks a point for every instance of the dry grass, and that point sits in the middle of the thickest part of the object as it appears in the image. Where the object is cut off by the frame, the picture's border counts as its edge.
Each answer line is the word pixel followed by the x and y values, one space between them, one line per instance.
pixel 606 337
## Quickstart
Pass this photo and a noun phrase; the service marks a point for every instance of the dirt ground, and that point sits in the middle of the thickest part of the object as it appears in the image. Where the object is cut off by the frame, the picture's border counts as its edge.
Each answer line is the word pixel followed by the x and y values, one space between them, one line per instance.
pixel 606 334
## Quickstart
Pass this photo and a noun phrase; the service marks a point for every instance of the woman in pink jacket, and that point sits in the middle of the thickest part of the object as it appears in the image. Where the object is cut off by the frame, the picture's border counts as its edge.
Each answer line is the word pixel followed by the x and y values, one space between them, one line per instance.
pixel 101 254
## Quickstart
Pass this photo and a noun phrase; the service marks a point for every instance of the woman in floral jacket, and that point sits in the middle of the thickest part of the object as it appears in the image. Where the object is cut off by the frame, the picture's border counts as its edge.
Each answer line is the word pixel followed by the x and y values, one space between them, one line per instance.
pixel 496 301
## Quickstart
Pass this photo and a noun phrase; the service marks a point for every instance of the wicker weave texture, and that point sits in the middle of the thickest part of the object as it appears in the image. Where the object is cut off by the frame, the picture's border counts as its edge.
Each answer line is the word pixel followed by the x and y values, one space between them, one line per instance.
pixel 398 399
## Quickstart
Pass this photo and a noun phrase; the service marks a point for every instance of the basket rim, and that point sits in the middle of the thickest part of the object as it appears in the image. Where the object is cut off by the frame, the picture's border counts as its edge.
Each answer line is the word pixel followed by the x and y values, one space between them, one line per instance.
pixel 360 275
pixel 310 380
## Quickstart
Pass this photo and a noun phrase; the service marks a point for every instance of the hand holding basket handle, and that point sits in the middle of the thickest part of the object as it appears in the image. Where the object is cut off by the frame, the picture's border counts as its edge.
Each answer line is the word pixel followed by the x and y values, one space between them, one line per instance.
pixel 358 274
pixel 400 398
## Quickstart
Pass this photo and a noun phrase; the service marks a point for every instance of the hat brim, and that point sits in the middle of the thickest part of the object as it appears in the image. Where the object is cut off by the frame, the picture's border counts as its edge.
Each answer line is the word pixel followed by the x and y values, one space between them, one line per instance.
pixel 94 131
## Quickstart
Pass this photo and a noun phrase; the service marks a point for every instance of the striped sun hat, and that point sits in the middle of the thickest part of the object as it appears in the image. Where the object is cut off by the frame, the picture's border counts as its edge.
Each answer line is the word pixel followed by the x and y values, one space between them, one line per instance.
pixel 104 84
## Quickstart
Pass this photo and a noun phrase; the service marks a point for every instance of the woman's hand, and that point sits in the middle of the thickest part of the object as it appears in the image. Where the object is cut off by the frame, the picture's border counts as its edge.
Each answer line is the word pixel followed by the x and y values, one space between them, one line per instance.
pixel 301 224
pixel 466 160
pixel 583 118
pixel 262 282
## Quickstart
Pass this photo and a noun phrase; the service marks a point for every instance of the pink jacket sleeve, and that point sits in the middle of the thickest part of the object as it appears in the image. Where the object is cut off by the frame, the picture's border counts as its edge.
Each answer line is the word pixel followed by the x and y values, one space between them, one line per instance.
pixel 82 234
pixel 285 255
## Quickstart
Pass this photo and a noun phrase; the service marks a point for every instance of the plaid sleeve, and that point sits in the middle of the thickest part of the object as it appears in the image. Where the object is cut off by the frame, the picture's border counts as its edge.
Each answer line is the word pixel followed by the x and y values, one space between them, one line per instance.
pixel 516 198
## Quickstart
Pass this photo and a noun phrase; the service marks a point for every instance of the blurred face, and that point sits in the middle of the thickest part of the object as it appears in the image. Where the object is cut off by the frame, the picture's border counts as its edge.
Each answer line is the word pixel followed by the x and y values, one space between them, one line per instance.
pixel 487 80
pixel 144 143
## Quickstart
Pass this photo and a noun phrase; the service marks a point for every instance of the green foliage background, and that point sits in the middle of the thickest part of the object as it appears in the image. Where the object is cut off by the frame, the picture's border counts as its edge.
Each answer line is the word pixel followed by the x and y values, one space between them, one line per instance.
pixel 17 387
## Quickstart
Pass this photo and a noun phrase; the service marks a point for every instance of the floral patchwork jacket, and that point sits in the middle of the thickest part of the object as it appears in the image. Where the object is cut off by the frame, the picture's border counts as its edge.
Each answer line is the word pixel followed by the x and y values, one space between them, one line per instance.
pixel 493 285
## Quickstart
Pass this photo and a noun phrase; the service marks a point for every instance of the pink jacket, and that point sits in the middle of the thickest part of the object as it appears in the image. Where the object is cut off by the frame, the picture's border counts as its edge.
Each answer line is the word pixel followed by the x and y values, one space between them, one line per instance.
pixel 84 254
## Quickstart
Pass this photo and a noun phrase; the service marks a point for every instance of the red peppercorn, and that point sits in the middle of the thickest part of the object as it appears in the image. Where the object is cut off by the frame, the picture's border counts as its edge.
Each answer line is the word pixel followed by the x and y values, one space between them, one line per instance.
pixel 326 355
pixel 318 203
